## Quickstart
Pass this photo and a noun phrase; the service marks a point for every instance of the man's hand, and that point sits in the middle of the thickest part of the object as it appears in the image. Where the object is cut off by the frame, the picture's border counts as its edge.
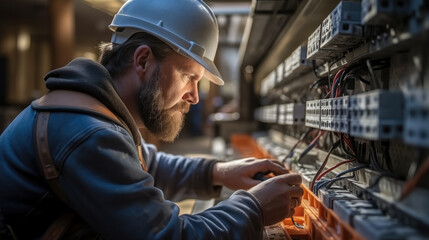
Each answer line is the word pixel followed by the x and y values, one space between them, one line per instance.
pixel 238 174
pixel 278 196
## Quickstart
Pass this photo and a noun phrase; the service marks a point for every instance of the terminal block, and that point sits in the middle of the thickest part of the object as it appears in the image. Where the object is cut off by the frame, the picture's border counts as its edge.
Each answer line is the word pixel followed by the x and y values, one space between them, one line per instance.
pixel 291 114
pixel 279 73
pixel 347 210
pixel 382 12
pixel 312 114
pixel 416 118
pixel 334 114
pixel 297 62
pixel 330 196
pixel 342 29
pixel 266 114
pixel 288 66
pixel 268 83
pixel 377 115
pixel 313 46
pixel 384 227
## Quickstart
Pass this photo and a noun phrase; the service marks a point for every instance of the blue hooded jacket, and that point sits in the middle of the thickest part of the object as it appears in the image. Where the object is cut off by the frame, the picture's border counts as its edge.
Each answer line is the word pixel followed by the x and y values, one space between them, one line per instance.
pixel 101 176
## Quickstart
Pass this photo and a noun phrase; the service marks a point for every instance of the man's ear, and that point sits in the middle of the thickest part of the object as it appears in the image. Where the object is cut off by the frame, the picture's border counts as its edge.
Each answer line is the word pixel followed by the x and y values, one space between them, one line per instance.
pixel 142 57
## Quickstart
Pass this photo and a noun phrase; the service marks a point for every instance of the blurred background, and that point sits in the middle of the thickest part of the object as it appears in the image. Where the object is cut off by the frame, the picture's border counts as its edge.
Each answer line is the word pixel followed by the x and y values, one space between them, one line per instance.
pixel 40 35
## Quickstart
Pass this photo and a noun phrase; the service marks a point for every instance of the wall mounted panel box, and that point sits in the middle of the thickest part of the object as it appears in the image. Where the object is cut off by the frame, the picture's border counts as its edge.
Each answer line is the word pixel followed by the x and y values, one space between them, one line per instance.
pixel 313 46
pixel 291 114
pixel 298 61
pixel 334 114
pixel 382 12
pixel 419 16
pixel 342 28
pixel 312 114
pixel 267 114
pixel 348 210
pixel 279 73
pixel 377 114
pixel 288 66
pixel 268 83
pixel 329 196
pixel 416 118
pixel 383 228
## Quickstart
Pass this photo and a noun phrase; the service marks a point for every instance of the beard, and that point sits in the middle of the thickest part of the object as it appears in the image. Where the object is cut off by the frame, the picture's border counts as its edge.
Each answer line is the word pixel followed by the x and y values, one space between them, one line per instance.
pixel 163 123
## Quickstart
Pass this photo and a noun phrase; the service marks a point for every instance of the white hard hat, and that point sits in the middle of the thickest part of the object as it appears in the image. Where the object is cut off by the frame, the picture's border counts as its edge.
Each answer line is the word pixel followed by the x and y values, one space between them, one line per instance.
pixel 188 26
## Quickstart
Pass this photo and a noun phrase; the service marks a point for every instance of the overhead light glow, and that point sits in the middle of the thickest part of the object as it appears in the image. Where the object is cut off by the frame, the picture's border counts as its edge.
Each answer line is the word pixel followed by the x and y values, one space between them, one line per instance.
pixel 23 41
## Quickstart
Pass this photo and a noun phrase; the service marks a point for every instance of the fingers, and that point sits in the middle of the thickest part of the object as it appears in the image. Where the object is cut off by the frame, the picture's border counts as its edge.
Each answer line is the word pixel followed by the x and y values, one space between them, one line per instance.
pixel 275 167
pixel 295 202
pixel 292 179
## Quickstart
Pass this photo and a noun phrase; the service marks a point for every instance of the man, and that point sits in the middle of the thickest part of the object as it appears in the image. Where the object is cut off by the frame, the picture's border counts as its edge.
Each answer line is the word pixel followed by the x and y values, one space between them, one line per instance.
pixel 116 185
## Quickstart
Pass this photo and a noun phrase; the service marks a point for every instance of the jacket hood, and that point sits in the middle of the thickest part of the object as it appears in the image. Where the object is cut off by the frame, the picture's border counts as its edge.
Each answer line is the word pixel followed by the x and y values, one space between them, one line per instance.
pixel 87 76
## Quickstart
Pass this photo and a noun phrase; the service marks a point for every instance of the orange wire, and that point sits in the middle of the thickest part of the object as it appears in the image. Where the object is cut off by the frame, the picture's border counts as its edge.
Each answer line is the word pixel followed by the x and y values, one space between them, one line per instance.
pixel 411 184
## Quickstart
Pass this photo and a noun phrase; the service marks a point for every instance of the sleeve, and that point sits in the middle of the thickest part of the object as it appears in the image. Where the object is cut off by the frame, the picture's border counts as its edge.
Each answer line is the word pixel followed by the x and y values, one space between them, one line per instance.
pixel 188 177
pixel 106 186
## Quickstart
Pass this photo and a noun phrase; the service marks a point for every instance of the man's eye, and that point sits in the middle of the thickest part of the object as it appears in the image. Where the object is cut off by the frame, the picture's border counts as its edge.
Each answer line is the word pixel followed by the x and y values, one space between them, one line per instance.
pixel 187 77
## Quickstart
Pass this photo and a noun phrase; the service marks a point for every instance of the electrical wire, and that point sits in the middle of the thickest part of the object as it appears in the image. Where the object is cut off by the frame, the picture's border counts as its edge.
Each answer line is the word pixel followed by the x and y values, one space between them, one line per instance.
pixel 315 69
pixel 373 77
pixel 311 145
pixel 300 140
pixel 412 183
pixel 296 224
pixel 329 70
pixel 336 81
pixel 332 168
pixel 335 145
pixel 373 158
pixel 338 177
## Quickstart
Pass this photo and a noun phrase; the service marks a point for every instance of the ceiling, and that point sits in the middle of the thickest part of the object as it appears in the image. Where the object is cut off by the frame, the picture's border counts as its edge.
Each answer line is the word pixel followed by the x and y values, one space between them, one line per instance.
pixel 92 17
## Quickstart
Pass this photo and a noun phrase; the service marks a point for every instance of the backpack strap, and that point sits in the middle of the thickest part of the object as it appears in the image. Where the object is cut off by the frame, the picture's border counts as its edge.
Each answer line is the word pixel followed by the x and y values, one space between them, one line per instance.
pixel 72 101
pixel 62 100
pixel 63 222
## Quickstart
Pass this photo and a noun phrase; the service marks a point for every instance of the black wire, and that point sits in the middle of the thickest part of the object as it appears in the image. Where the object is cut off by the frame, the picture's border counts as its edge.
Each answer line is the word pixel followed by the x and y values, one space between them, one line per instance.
pixel 314 69
pixel 296 224
pixel 373 158
pixel 373 77
pixel 329 70
pixel 331 182
pixel 337 83
pixel 345 149
pixel 363 80
pixel 335 145
pixel 385 148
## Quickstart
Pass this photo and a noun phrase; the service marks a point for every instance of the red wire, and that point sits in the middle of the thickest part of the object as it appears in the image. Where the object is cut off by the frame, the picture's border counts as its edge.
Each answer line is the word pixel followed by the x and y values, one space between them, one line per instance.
pixel 317 137
pixel 332 168
pixel 335 78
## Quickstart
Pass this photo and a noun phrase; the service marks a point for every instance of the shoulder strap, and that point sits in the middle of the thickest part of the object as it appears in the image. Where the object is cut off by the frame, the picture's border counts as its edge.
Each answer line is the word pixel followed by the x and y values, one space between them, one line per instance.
pixel 61 100
pixel 64 100
pixel 58 227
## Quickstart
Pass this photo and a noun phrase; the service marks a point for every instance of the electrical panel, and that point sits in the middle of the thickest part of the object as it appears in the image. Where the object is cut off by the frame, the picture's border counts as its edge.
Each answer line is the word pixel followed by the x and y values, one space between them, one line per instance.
pixel 342 28
pixel 416 118
pixel 296 62
pixel 313 46
pixel 291 114
pixel 312 114
pixel 382 12
pixel 334 114
pixel 376 115
pixel 359 70
pixel 267 114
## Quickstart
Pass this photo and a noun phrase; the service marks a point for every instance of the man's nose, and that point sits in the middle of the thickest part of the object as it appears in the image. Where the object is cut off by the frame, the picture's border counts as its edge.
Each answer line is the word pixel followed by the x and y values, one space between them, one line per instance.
pixel 191 96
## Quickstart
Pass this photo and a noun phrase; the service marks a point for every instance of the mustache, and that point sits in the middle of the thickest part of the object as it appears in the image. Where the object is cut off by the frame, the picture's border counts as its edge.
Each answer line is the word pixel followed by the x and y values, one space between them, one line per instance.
pixel 181 106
